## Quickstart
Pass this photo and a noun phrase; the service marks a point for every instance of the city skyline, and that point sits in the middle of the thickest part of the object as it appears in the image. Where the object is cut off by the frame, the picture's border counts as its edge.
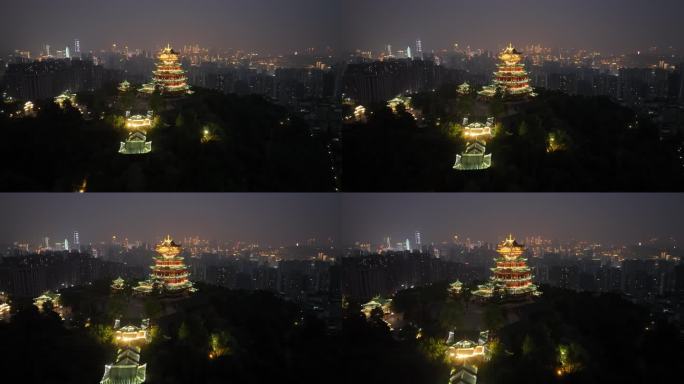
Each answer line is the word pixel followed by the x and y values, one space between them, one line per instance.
pixel 610 26
pixel 268 218
pixel 260 25
pixel 611 218
pixel 343 25
pixel 345 219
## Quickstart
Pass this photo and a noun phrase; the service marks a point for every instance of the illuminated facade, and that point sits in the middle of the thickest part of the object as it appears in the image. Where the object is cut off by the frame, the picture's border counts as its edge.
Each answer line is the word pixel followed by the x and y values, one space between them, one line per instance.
pixel 511 276
pixel 169 77
pixel 169 272
pixel 511 78
pixel 474 158
pixel 139 122
pixel 477 130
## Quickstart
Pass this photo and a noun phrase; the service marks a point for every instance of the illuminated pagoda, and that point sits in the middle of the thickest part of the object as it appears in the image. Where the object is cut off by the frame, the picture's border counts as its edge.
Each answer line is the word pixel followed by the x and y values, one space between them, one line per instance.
pixel 124 86
pixel 127 368
pixel 456 287
pixel 169 77
pixel 118 284
pixel 474 158
pixel 511 277
pixel 511 78
pixel 463 89
pixel 169 272
pixel 139 122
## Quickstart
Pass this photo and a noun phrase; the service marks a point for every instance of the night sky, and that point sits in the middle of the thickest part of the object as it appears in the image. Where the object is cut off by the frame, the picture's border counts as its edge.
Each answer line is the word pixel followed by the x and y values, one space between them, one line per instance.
pixel 273 219
pixel 287 218
pixel 278 25
pixel 273 25
pixel 617 25
pixel 619 218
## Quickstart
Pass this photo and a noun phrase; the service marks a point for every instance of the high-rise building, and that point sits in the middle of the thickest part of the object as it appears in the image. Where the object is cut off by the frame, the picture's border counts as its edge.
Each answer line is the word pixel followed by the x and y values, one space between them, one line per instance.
pixel 77 47
pixel 77 242
pixel 67 54
pixel 408 53
pixel 417 240
pixel 47 50
pixel 419 49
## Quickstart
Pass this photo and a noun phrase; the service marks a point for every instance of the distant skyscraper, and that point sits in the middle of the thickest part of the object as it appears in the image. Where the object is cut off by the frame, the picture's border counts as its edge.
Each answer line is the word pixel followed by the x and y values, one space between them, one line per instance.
pixel 389 50
pixel 408 245
pixel 77 242
pixel 46 241
pixel 77 47
pixel 47 49
pixel 408 53
pixel 419 48
pixel 66 244
pixel 418 243
pixel 67 54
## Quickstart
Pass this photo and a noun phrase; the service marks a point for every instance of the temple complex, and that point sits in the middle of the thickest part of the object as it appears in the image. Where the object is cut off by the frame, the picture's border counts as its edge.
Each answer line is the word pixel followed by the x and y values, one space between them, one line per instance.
pixel 511 78
pixel 136 143
pixel 127 368
pixel 465 355
pixel 169 273
pixel 169 76
pixel 511 278
pixel 377 302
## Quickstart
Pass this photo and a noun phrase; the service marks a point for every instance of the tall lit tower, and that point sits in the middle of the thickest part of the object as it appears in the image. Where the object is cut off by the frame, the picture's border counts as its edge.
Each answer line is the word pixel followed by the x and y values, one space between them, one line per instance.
pixel 67 54
pixel 511 77
pixel 418 240
pixel 77 243
pixel 512 276
pixel 419 48
pixel 169 272
pixel 169 76
pixel 77 47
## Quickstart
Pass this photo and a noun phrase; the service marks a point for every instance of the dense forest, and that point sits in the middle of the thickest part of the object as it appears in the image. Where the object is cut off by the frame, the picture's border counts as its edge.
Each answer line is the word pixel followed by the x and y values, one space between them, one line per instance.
pixel 554 142
pixel 219 335
pixel 207 141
